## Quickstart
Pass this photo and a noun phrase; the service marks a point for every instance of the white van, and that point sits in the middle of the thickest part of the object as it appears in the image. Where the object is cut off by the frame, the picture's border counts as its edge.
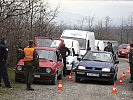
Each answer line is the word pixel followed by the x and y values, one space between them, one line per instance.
pixel 99 45
pixel 71 60
pixel 85 38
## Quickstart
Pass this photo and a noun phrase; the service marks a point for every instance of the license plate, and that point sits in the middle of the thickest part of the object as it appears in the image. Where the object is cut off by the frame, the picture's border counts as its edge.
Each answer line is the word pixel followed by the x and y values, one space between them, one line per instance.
pixel 92 74
pixel 37 76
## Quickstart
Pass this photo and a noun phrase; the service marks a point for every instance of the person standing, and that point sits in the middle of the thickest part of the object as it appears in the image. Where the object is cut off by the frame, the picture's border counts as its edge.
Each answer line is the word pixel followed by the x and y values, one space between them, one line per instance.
pixel 3 65
pixel 65 52
pixel 19 50
pixel 109 48
pixel 131 62
pixel 30 62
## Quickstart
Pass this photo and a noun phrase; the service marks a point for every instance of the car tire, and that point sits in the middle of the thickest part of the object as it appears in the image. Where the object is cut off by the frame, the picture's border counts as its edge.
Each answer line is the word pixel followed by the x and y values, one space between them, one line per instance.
pixel 54 79
pixel 112 82
pixel 77 79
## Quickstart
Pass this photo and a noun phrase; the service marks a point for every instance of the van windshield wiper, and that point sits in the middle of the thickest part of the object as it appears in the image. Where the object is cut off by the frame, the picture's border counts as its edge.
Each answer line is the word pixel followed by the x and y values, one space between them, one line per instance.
pixel 87 59
pixel 99 60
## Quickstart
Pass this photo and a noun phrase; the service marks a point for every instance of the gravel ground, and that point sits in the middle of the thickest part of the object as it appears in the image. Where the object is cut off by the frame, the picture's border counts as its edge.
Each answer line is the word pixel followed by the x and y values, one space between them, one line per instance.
pixel 75 91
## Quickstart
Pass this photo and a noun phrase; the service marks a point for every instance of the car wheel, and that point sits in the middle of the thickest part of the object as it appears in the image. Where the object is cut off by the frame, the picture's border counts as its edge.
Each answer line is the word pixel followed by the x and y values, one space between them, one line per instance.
pixel 112 82
pixel 54 79
pixel 77 79
pixel 60 76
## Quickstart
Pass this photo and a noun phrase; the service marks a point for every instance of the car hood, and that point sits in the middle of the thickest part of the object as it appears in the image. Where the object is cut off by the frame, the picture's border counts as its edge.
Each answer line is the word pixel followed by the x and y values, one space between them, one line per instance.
pixel 96 64
pixel 124 50
pixel 42 63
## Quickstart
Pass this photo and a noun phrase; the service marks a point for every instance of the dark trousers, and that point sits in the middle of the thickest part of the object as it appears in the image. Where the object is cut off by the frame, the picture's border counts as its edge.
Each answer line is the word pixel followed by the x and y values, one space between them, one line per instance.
pixel 131 70
pixel 4 74
pixel 28 74
pixel 64 68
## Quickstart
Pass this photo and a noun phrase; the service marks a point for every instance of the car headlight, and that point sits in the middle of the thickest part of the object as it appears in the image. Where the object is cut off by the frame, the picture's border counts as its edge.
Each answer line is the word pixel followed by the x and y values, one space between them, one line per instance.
pixel 81 67
pixel 106 70
pixel 19 68
pixel 48 70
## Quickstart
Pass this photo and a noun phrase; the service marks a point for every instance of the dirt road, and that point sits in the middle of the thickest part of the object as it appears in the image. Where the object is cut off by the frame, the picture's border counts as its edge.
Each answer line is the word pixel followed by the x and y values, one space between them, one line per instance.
pixel 76 91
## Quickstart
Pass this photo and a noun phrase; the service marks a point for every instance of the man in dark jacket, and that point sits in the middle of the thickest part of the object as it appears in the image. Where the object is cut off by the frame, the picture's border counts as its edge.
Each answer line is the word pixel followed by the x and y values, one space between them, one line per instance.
pixel 3 66
pixel 64 52
pixel 131 62
pixel 109 48
pixel 19 50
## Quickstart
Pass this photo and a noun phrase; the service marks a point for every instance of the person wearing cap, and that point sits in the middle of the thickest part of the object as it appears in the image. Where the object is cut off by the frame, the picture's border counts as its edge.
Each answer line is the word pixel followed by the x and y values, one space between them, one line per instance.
pixel 131 62
pixel 65 52
pixel 3 65
pixel 30 63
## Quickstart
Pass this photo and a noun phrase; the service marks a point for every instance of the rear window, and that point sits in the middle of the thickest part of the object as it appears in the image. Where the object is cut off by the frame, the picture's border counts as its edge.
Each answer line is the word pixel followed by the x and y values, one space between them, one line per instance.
pixel 124 46
pixel 47 43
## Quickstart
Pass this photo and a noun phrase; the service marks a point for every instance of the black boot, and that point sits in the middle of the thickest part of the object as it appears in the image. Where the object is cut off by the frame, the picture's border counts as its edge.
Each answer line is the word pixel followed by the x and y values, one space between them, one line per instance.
pixel 29 88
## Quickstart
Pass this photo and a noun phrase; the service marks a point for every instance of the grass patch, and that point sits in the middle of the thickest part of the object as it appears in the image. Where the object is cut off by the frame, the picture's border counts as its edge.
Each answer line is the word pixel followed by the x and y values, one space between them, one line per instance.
pixel 17 86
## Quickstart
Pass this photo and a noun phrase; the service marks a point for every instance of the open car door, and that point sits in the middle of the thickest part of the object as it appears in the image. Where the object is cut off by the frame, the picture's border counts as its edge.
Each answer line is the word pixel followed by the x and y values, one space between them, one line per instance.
pixel 41 41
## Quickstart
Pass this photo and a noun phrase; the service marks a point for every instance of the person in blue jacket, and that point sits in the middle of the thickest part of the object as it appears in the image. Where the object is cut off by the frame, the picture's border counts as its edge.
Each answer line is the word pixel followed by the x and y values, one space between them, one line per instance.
pixel 3 65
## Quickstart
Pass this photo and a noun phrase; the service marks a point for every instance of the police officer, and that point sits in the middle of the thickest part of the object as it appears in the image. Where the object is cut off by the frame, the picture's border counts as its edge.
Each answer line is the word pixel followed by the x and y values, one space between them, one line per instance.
pixel 30 61
pixel 3 66
pixel 131 62
pixel 64 52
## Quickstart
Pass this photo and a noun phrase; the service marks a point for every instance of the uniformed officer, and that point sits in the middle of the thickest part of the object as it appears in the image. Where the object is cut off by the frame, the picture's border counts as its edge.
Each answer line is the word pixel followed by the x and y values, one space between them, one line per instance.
pixel 3 66
pixel 64 52
pixel 131 62
pixel 30 61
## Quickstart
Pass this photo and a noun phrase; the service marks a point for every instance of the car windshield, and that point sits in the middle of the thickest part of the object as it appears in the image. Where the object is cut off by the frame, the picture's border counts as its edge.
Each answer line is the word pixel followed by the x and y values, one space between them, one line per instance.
pixel 46 55
pixel 124 46
pixel 82 42
pixel 42 42
pixel 96 56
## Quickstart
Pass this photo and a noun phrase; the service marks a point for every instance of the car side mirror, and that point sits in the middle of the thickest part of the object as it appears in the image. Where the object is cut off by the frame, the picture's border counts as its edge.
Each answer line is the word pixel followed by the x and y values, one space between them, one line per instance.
pixel 79 59
pixel 76 55
pixel 116 62
pixel 89 48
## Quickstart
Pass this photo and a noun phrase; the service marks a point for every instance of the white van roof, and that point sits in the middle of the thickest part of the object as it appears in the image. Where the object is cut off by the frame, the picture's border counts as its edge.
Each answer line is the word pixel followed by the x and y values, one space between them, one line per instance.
pixel 75 33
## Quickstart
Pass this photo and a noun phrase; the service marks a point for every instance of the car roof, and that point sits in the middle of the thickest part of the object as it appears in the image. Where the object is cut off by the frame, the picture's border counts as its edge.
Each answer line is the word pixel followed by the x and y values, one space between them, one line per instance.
pixel 101 52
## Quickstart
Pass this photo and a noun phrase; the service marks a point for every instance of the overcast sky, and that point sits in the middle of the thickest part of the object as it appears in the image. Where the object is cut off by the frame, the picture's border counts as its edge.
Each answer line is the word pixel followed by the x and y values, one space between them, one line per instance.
pixel 73 10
